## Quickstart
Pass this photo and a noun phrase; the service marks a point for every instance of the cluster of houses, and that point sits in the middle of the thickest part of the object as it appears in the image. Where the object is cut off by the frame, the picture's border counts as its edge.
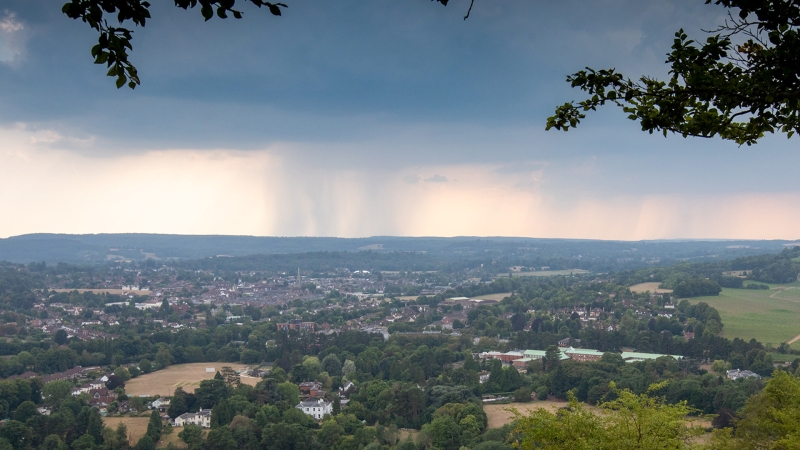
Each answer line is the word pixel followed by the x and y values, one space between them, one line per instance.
pixel 100 397
pixel 312 403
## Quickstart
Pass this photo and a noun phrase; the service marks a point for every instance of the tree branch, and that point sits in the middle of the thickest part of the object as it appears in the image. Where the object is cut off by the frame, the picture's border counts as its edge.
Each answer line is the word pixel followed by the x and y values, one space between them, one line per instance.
pixel 470 9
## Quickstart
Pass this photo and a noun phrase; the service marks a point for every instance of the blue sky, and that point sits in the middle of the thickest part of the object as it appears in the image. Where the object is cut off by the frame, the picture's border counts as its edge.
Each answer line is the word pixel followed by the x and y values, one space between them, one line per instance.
pixel 355 118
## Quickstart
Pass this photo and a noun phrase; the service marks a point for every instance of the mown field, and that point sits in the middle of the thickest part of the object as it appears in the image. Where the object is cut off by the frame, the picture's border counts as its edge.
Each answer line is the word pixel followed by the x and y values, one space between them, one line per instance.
pixel 188 376
pixel 651 287
pixel 501 414
pixel 137 427
pixel 770 316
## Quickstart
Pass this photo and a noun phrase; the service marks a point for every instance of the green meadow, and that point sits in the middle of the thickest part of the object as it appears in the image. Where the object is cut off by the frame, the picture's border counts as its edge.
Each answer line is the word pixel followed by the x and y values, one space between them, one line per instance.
pixel 771 316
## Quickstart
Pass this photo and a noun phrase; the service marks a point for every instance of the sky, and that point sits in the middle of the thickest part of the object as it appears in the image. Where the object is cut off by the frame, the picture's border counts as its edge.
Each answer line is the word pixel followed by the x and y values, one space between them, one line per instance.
pixel 355 118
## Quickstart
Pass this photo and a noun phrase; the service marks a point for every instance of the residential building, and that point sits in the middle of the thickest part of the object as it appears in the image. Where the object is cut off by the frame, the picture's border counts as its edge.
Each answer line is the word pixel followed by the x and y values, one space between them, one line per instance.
pixel 296 325
pixel 736 374
pixel 311 389
pixel 201 418
pixel 315 408
pixel 161 404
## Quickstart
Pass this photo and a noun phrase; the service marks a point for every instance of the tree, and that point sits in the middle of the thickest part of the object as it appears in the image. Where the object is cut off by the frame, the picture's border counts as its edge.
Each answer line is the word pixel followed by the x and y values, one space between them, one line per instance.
pixel 123 373
pixel 349 368
pixel 146 443
pixel 770 418
pixel 115 381
pixel 552 358
pixel 60 337
pixel 177 405
pixel 444 433
pixel 737 91
pixel 154 426
pixel 191 434
pixel 638 421
pixel 145 366
pixel 719 366
pixel 85 442
pixel 332 364
pixel 55 392
pixel 53 442
pixel 230 376
pixel 116 439
pixel 17 434
pixel 25 411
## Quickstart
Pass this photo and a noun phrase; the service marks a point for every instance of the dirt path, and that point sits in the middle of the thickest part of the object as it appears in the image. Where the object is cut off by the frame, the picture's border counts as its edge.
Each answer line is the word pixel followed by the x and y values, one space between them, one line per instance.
pixel 784 289
pixel 778 290
pixel 793 340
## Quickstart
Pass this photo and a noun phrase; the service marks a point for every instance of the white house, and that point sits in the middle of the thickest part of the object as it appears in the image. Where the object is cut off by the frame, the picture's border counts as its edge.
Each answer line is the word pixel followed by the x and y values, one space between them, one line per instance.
pixel 201 418
pixel 315 408
pixel 161 404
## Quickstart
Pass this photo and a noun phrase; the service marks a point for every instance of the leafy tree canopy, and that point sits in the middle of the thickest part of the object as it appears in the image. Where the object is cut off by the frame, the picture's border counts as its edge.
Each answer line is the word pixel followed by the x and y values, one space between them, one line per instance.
pixel 742 82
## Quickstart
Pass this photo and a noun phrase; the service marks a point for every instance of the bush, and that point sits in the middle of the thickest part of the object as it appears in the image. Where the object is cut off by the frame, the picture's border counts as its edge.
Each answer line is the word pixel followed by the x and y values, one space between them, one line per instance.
pixel 541 393
pixel 523 394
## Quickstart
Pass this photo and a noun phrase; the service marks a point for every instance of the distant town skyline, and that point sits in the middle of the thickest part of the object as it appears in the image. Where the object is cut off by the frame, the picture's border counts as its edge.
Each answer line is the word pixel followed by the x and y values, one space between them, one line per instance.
pixel 355 119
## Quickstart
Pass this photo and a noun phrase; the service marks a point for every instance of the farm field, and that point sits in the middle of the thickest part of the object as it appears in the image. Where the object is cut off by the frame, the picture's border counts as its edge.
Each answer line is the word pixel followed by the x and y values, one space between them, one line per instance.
pixel 652 287
pixel 173 438
pixel 107 291
pixel 500 415
pixel 187 376
pixel 769 316
pixel 137 426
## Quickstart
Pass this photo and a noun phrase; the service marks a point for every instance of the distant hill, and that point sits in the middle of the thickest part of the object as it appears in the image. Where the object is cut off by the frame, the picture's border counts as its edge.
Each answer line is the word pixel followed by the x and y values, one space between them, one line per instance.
pixel 100 248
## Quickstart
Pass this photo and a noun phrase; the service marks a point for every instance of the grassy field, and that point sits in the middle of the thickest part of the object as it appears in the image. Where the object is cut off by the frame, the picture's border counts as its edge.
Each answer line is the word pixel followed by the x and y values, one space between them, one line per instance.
pixel 651 287
pixel 187 376
pixel 173 438
pixel 137 426
pixel 770 316
pixel 500 415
